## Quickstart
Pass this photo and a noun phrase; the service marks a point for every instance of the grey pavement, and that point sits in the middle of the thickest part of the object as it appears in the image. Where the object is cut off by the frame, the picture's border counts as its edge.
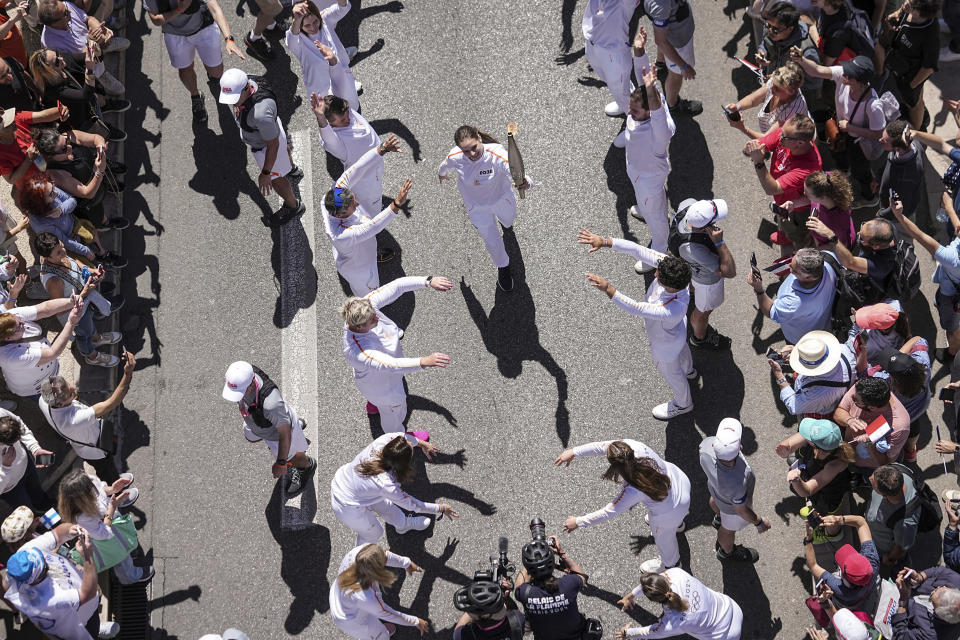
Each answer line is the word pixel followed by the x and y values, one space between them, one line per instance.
pixel 553 362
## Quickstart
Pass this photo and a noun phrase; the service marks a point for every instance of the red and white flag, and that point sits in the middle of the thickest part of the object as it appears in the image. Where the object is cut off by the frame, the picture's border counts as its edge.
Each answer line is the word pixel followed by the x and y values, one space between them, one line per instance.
pixel 780 267
pixel 878 428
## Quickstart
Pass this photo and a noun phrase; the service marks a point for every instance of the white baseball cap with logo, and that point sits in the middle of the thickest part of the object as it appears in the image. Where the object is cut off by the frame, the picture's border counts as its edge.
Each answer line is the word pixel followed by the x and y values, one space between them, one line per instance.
pixel 849 626
pixel 238 378
pixel 727 443
pixel 232 83
pixel 705 212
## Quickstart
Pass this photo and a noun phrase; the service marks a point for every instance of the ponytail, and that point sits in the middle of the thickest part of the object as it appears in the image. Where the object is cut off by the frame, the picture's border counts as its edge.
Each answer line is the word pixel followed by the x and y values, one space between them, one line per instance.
pixel 656 587
pixel 642 474
pixel 395 457
pixel 468 131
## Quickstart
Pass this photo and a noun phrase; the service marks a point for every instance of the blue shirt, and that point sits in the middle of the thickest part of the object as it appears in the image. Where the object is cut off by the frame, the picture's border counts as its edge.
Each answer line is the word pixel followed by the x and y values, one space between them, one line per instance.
pixel 847 595
pixel 947 274
pixel 799 311
pixel 805 397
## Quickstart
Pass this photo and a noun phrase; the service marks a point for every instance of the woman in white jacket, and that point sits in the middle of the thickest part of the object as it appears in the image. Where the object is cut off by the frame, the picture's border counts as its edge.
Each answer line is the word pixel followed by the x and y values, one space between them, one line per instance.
pixel 356 601
pixel 483 177
pixel 646 478
pixel 311 27
pixel 371 344
pixel 689 607
pixel 370 485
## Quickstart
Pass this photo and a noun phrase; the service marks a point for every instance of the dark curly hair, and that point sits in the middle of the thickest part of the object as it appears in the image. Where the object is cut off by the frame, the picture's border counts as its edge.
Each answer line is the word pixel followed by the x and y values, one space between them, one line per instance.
pixel 874 392
pixel 674 272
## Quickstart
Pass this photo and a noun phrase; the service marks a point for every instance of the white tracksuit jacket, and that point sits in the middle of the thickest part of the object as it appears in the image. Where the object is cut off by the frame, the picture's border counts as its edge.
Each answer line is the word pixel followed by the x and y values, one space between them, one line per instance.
pixel 348 144
pixel 343 83
pixel 318 75
pixel 607 44
pixel 359 614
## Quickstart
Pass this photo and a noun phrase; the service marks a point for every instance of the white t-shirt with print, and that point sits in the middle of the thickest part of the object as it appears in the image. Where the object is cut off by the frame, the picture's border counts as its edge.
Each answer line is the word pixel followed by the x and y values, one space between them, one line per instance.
pixel 53 606
pixel 869 114
pixel 19 361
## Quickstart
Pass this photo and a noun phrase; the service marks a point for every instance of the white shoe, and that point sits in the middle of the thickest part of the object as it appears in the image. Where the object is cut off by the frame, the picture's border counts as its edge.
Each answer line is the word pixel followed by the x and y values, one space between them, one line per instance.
pixel 951 495
pixel 111 85
pixel 101 359
pixel 117 43
pixel 351 52
pixel 949 55
pixel 635 213
pixel 621 140
pixel 653 565
pixel 358 86
pixel 108 630
pixel 414 523
pixel 613 109
pixel 668 410
pixel 680 529
pixel 108 337
pixel 642 267
pixel 132 495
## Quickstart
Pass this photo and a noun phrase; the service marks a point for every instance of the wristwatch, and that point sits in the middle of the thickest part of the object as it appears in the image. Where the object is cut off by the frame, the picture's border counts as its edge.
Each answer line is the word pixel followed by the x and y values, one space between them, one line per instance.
pixel 229 39
pixel 281 462
pixel 264 172
pixel 832 239
pixel 759 165
pixel 429 278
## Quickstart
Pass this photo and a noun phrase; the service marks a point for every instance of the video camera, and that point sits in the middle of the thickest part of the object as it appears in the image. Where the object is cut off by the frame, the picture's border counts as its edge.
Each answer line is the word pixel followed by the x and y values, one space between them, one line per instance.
pixel 485 593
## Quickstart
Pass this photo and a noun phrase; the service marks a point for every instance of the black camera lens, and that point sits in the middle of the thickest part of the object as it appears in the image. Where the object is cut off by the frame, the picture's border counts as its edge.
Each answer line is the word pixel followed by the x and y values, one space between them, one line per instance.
pixel 538 529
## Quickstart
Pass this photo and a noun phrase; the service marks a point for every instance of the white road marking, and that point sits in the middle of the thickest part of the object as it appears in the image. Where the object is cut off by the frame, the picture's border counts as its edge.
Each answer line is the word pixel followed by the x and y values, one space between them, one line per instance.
pixel 298 340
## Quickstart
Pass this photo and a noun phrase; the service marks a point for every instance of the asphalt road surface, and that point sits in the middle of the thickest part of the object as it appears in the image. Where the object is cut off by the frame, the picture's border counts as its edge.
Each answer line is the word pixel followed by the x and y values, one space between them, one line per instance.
pixel 550 364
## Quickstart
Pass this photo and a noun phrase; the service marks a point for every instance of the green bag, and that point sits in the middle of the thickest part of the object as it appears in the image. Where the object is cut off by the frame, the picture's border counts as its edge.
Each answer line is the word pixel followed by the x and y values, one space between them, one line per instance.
pixel 111 552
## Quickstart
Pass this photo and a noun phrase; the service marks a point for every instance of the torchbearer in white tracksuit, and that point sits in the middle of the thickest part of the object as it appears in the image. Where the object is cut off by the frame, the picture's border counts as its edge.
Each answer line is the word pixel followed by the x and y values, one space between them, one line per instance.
pixel 320 26
pixel 321 69
pixel 356 601
pixel 664 314
pixel 607 44
pixel 369 485
pixel 371 344
pixel 661 486
pixel 352 228
pixel 647 134
pixel 483 177
pixel 346 135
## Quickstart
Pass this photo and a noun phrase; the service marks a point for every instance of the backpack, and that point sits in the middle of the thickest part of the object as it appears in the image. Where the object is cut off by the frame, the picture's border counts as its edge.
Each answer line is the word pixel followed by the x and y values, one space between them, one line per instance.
pixel 675 238
pixel 264 92
pixel 256 412
pixel 930 513
pixel 851 291
pixel 904 280
pixel 858 24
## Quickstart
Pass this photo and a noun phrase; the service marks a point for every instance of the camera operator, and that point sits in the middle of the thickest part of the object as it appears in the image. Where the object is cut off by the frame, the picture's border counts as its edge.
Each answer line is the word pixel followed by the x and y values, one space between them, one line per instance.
pixel 551 603
pixel 485 613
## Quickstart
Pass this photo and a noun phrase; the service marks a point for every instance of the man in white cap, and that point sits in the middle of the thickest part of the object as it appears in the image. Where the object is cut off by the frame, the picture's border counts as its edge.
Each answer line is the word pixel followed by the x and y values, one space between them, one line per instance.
pixel 730 481
pixel 825 370
pixel 255 110
pixel 846 625
pixel 695 237
pixel 267 417
pixel 229 634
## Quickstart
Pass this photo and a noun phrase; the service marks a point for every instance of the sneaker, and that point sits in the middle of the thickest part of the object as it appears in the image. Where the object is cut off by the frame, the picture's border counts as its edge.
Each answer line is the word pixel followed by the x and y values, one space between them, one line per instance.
pixel 688 108
pixel 132 494
pixel 716 522
pixel 114 134
pixel 668 410
pixel 613 109
pixel 108 337
pixel 951 495
pixel 621 140
pixel 351 52
pixel 147 576
pixel 9 405
pixel 400 334
pixel 372 409
pixel 692 374
pixel 259 49
pixel 653 565
pixel 296 173
pixel 635 213
pixel 112 260
pixel 949 55
pixel 941 354
pixel 108 630
pixel 285 213
pixel 745 555
pixel 111 85
pixel 780 238
pixel 101 359
pixel 642 267
pixel 713 340
pixel 421 435
pixel 197 108
pixel 277 27
pixel 414 523
pixel 116 43
pixel 385 254
pixel 115 105
pixel 505 279
pixel 294 481
pixel 117 223
pixel 127 476
pixel 358 86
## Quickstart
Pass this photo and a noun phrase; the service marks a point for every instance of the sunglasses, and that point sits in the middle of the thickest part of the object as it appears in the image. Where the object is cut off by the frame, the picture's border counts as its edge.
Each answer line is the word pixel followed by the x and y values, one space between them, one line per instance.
pixel 774 29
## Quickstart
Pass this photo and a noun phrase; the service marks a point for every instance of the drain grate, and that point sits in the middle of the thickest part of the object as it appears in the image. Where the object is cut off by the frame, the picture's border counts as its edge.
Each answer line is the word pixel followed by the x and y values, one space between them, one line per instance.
pixel 130 609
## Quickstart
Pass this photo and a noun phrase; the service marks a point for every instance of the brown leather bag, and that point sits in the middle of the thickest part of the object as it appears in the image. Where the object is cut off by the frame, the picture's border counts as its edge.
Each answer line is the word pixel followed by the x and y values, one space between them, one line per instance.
pixel 835 138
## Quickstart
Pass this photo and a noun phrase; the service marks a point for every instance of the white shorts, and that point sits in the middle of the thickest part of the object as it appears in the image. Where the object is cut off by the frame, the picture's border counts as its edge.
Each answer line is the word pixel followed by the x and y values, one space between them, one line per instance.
pixel 732 522
pixel 283 165
pixel 183 49
pixel 686 52
pixel 298 441
pixel 707 297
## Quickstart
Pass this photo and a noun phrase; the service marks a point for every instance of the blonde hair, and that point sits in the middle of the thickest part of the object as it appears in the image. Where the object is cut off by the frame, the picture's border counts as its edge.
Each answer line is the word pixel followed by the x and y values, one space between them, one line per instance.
pixel 77 496
pixel 789 75
pixel 43 73
pixel 357 312
pixel 831 184
pixel 368 568
pixel 8 324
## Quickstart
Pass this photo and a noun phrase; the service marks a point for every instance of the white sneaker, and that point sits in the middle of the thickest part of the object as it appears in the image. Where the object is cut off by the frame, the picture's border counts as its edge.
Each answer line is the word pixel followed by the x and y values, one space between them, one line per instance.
pixel 653 565
pixel 621 140
pixel 635 213
pixel 642 267
pixel 948 55
pixel 358 86
pixel 680 529
pixel 108 630
pixel 351 52
pixel 613 109
pixel 414 523
pixel 668 410
pixel 111 85
pixel 951 495
pixel 117 43
pixel 132 495
pixel 108 337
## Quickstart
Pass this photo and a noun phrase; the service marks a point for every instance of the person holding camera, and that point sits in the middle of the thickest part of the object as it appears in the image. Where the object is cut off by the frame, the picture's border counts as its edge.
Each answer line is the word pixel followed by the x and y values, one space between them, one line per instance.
pixel 951 534
pixel 661 486
pixel 369 485
pixel 485 612
pixel 550 603
pixel 356 601
pixel 823 371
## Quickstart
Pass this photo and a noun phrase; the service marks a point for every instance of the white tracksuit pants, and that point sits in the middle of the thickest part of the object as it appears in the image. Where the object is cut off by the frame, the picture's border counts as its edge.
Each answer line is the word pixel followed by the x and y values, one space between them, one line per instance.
pixel 344 85
pixel 362 278
pixel 613 66
pixel 388 395
pixel 674 362
pixel 364 627
pixel 652 204
pixel 485 217
pixel 363 520
pixel 664 528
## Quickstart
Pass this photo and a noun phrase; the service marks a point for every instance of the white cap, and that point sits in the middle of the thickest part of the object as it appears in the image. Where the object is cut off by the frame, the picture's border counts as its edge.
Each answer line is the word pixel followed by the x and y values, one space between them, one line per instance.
pixel 8 116
pixel 849 626
pixel 238 378
pixel 727 443
pixel 704 212
pixel 232 83
pixel 235 634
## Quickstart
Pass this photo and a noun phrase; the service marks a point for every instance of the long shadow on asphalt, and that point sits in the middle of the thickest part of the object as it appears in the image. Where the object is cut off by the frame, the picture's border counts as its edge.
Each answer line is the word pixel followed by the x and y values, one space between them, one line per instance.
pixel 136 318
pixel 742 583
pixel 509 332
pixel 297 284
pixel 305 557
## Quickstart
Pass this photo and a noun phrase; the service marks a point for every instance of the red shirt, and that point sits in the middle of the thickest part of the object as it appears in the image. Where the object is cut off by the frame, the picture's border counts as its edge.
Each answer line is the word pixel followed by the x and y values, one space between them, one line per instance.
pixel 12 45
pixel 11 155
pixel 790 170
